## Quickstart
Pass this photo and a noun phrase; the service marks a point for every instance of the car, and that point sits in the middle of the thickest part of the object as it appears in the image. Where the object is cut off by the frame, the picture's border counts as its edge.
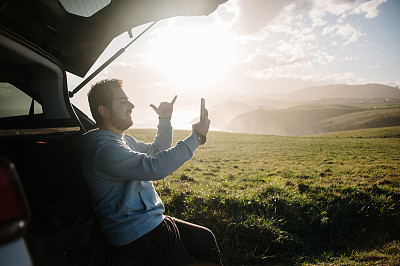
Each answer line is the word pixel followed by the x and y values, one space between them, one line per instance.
pixel 45 212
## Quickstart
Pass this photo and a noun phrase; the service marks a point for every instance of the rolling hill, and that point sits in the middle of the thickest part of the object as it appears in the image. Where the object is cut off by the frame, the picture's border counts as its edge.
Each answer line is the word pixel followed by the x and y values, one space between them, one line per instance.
pixel 312 119
pixel 296 121
pixel 312 110
pixel 374 118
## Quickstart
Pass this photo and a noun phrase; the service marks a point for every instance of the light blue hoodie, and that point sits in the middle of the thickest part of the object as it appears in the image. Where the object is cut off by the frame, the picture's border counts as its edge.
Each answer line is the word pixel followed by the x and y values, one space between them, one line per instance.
pixel 119 171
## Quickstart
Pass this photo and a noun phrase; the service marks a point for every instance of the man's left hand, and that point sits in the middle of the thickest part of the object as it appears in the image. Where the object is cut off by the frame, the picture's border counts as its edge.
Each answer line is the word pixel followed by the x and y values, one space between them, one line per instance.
pixel 164 110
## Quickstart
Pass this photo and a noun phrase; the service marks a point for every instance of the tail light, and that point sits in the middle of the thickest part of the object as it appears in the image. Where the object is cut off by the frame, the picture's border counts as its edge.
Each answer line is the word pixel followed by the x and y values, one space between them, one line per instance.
pixel 14 211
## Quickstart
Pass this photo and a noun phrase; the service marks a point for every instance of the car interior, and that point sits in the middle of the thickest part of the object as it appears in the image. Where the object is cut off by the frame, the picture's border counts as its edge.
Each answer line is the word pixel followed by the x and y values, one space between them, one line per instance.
pixel 39 133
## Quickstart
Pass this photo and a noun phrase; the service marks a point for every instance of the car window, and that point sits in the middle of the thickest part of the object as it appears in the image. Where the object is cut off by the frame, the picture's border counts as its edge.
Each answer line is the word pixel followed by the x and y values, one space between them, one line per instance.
pixel 14 102
pixel 84 8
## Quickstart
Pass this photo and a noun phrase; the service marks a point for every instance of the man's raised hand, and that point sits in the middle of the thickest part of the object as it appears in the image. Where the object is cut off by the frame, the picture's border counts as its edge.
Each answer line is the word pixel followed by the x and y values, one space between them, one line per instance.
pixel 165 109
pixel 202 126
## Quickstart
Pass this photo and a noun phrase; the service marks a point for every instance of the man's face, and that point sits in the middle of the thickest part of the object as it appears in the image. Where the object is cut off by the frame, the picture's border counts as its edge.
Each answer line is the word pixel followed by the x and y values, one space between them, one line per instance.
pixel 121 110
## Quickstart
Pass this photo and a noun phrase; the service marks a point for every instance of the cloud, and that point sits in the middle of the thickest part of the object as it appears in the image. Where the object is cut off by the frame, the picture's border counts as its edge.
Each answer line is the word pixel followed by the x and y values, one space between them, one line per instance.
pixel 261 61
pixel 252 17
pixel 346 31
pixel 318 22
pixel 333 7
pixel 370 8
pixel 350 33
pixel 283 75
pixel 260 70
pixel 350 58
pixel 322 58
pixel 378 66
pixel 333 78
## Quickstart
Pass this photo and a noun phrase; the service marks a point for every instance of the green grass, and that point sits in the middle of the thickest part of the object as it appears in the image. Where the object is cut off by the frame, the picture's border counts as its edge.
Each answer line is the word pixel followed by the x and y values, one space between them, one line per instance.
pixel 331 199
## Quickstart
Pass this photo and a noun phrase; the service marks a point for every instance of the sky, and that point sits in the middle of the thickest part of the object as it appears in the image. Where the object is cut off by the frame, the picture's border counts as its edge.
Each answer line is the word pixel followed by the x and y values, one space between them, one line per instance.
pixel 252 48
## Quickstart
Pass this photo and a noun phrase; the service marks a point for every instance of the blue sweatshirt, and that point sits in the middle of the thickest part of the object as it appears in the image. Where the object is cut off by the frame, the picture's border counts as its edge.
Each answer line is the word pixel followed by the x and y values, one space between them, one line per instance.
pixel 119 171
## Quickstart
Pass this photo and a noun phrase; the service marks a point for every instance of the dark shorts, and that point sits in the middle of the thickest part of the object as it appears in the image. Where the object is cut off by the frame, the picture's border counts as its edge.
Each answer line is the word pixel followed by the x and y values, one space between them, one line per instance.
pixel 173 242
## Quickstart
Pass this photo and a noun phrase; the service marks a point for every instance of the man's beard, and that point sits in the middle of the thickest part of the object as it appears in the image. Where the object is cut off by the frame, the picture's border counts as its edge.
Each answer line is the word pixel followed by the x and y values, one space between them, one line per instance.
pixel 119 123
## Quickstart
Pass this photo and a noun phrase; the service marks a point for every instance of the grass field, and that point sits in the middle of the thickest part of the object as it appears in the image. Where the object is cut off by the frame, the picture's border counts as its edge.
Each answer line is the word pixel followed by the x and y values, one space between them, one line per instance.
pixel 331 199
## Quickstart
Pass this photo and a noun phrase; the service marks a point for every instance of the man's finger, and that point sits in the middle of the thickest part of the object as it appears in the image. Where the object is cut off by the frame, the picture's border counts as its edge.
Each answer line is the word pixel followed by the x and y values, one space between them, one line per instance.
pixel 174 99
pixel 205 115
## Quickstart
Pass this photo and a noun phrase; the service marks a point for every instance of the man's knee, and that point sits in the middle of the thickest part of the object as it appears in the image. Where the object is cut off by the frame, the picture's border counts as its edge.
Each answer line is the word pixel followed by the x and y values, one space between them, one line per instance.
pixel 208 235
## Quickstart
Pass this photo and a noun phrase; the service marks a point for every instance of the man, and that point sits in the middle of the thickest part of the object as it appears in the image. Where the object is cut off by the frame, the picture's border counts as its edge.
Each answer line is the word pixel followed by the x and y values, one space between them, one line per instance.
pixel 119 171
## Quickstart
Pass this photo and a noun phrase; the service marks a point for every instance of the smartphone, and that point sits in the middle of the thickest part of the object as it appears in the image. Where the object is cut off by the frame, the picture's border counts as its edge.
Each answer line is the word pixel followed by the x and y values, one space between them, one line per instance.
pixel 202 107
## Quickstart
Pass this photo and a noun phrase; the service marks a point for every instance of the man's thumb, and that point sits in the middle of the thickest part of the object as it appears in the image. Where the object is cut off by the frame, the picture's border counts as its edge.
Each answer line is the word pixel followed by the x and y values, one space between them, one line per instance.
pixel 154 107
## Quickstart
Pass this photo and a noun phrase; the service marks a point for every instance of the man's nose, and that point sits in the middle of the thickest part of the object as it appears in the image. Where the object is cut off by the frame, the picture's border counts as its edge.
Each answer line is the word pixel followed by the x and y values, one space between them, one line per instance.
pixel 131 106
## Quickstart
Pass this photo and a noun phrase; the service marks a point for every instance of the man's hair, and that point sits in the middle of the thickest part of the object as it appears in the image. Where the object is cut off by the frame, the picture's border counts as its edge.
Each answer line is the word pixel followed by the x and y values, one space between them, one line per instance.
pixel 101 93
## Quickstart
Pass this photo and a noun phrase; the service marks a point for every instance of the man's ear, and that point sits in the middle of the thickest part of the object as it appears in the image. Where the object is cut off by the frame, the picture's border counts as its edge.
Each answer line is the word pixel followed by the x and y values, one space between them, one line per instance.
pixel 103 111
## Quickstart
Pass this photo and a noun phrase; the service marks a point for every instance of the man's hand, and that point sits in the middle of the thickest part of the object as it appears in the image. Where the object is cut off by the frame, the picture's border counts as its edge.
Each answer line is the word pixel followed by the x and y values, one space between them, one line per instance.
pixel 202 126
pixel 165 109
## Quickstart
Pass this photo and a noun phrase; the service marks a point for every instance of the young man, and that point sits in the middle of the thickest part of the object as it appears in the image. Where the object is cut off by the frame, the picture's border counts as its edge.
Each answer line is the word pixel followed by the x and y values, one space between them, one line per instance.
pixel 119 171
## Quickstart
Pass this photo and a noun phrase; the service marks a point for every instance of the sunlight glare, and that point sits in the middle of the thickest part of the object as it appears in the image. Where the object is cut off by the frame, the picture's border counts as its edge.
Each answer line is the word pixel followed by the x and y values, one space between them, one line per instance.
pixel 192 56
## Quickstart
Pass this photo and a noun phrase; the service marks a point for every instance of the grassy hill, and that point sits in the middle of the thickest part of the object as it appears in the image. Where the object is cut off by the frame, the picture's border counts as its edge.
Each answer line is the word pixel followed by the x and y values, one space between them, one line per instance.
pixel 331 199
pixel 296 121
pixel 315 118
pixel 309 110
pixel 379 117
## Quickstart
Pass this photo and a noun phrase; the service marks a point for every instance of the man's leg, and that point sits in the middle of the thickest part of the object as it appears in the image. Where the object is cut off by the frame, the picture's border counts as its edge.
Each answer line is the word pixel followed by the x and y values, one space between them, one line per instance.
pixel 161 246
pixel 199 241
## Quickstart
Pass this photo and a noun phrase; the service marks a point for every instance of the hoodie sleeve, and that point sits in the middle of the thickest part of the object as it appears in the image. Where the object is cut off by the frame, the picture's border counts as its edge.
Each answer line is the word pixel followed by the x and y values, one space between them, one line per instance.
pixel 161 142
pixel 114 159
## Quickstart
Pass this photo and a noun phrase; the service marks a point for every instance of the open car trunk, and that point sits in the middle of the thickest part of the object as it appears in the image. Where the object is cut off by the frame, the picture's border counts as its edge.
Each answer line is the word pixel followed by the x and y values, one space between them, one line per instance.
pixel 78 41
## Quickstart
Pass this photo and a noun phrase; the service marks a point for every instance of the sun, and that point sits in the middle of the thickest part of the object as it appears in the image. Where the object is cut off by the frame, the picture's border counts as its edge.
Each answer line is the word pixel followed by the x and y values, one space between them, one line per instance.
pixel 193 56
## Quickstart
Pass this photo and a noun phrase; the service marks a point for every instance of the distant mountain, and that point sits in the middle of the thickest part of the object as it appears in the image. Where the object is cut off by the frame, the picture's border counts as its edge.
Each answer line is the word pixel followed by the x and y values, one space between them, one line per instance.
pixel 343 91
pixel 224 112
pixel 267 103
